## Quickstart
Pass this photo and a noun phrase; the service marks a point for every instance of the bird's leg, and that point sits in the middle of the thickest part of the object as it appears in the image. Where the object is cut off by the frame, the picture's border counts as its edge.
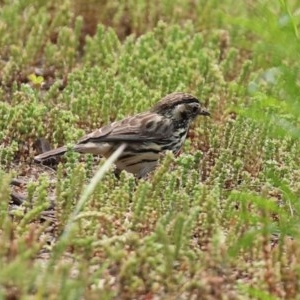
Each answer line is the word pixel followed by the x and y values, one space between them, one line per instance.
pixel 117 173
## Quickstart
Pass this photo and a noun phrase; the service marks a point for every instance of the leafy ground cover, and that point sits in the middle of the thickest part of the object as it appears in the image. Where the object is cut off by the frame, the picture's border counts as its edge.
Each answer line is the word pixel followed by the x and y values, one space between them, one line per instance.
pixel 218 222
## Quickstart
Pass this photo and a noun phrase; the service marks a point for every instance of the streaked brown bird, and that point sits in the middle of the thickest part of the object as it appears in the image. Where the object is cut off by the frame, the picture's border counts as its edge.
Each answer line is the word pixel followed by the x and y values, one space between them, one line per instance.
pixel 147 135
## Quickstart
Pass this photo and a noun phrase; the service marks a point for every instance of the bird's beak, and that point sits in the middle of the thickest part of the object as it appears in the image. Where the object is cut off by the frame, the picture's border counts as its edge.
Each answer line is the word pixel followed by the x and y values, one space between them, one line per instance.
pixel 204 112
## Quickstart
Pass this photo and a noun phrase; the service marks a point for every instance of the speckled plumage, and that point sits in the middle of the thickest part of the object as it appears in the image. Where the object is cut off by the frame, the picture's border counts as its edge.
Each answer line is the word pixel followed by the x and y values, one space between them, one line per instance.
pixel 146 135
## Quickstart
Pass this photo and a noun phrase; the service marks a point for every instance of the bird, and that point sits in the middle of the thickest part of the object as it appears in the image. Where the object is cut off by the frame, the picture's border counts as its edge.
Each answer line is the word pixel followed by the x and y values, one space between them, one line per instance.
pixel 146 135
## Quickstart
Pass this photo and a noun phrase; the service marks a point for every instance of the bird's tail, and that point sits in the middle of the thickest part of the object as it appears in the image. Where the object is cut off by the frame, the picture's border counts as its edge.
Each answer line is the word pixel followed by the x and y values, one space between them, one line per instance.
pixel 50 154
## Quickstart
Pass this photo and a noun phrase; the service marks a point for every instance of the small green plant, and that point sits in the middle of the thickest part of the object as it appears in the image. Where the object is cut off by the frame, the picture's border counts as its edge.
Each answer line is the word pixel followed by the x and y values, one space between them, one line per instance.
pixel 37 81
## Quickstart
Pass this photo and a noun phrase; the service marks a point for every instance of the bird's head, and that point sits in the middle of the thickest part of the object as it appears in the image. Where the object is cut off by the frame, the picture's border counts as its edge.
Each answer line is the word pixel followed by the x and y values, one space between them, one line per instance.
pixel 180 106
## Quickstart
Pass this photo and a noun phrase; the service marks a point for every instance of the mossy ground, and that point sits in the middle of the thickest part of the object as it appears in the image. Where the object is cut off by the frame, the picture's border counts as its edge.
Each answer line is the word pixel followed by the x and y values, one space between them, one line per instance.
pixel 218 222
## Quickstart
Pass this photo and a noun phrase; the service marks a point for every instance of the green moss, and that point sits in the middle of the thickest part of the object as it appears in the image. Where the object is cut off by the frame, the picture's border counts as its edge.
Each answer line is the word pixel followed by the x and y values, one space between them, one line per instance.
pixel 203 225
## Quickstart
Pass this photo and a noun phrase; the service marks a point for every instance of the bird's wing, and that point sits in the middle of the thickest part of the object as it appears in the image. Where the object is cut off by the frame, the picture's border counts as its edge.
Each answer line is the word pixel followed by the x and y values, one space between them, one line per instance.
pixel 140 128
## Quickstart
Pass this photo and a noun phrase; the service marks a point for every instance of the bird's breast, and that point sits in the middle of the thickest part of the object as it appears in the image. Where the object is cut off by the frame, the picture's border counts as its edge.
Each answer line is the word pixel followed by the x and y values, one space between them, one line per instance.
pixel 180 137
